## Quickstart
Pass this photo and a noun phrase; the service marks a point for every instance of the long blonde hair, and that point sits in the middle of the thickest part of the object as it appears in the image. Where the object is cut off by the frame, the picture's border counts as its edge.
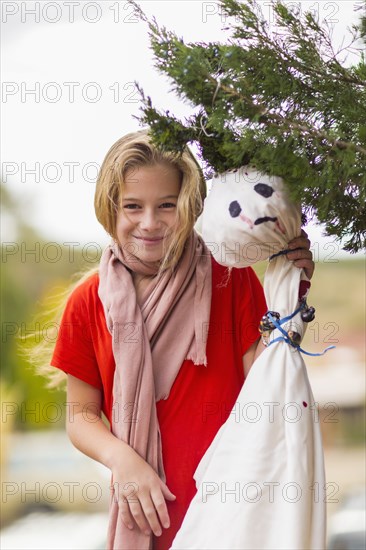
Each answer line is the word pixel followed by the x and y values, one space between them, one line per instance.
pixel 133 150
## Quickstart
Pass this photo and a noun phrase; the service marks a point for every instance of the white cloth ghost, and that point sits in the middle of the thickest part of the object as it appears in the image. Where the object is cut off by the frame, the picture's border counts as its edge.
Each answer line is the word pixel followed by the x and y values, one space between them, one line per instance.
pixel 261 483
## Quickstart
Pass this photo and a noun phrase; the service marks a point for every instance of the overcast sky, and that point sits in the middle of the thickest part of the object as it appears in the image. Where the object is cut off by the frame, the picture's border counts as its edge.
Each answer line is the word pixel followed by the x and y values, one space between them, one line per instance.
pixel 67 95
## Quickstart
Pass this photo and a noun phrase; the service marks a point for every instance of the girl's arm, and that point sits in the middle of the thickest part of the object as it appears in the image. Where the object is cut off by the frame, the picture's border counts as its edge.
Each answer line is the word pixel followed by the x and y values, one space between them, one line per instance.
pixel 87 431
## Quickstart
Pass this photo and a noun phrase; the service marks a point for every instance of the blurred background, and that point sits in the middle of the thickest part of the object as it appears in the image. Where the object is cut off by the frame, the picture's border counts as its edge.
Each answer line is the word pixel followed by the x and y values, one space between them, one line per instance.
pixel 68 93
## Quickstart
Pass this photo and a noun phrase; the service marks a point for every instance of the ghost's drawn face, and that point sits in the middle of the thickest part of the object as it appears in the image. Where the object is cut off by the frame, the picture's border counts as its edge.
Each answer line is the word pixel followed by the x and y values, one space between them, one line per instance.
pixel 248 216
pixel 236 210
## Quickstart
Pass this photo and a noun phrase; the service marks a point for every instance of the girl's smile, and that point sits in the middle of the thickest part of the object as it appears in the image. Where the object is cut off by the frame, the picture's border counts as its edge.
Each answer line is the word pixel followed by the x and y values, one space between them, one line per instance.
pixel 149 241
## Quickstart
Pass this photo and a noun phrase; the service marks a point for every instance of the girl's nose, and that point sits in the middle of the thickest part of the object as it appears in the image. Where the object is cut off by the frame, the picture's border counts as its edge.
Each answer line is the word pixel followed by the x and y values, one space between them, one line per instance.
pixel 150 221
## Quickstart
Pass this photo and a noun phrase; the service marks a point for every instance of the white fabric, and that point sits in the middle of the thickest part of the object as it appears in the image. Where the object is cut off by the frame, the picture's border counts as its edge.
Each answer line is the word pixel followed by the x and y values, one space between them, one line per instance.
pixel 261 483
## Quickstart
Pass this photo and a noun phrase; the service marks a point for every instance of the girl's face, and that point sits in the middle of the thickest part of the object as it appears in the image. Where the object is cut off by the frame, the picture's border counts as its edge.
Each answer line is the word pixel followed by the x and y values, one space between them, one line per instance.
pixel 147 215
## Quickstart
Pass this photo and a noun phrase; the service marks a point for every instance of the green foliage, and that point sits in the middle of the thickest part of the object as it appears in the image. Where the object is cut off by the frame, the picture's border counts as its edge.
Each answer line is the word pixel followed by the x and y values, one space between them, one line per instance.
pixel 281 101
pixel 28 283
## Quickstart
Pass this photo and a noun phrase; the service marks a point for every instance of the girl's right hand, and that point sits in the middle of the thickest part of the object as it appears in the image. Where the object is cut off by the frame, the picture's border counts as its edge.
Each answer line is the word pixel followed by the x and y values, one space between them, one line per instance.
pixel 140 493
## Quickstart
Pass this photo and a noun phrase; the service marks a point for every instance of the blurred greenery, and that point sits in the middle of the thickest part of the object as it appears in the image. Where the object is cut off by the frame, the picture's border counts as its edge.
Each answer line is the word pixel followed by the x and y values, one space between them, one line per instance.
pixel 29 282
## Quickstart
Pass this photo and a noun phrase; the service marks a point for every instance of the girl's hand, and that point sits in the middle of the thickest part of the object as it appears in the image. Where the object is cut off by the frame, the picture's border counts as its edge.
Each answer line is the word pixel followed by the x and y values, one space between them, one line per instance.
pixel 141 494
pixel 302 257
pixel 138 489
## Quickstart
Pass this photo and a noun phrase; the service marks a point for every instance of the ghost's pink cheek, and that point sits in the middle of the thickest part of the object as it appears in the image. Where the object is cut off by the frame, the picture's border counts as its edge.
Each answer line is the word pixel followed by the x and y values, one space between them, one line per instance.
pixel 246 220
pixel 280 227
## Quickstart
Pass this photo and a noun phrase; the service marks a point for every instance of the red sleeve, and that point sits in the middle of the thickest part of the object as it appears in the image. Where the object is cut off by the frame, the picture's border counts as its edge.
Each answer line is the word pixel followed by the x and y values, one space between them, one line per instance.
pixel 252 306
pixel 74 350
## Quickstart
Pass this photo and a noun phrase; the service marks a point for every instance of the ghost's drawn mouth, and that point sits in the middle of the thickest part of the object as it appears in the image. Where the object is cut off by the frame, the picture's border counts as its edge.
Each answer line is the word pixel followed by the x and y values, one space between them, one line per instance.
pixel 265 219
pixel 235 211
pixel 274 219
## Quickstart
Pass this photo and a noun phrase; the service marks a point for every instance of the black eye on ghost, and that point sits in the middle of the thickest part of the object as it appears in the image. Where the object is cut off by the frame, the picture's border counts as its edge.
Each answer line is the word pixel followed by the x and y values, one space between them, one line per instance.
pixel 262 189
pixel 234 209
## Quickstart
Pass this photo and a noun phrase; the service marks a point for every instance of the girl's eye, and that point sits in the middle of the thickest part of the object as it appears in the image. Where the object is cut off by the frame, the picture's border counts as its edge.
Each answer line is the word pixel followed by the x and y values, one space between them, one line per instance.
pixel 168 205
pixel 131 206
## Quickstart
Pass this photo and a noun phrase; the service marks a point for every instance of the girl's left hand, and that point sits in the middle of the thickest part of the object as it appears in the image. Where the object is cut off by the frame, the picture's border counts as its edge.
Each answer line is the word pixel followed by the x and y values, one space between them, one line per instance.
pixel 302 257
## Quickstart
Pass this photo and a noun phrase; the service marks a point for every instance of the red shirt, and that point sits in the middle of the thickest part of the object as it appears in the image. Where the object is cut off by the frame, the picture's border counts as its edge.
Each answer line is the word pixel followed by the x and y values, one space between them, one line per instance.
pixel 200 399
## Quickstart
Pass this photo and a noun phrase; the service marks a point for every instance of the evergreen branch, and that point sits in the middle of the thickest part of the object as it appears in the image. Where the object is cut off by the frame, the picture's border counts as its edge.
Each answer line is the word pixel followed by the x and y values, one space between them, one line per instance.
pixel 263 37
pixel 266 116
pixel 338 143
pixel 281 101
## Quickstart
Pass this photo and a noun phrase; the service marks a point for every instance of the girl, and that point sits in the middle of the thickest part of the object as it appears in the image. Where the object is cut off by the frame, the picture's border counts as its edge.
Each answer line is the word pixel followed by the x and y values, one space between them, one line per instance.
pixel 159 339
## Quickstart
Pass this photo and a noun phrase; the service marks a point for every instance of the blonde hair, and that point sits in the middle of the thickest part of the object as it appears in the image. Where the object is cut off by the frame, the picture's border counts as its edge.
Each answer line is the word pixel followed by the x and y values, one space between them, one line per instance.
pixel 136 150
pixel 133 150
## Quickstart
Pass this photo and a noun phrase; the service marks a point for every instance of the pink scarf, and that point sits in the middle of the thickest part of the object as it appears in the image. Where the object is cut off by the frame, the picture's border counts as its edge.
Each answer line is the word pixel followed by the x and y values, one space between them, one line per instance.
pixel 150 343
